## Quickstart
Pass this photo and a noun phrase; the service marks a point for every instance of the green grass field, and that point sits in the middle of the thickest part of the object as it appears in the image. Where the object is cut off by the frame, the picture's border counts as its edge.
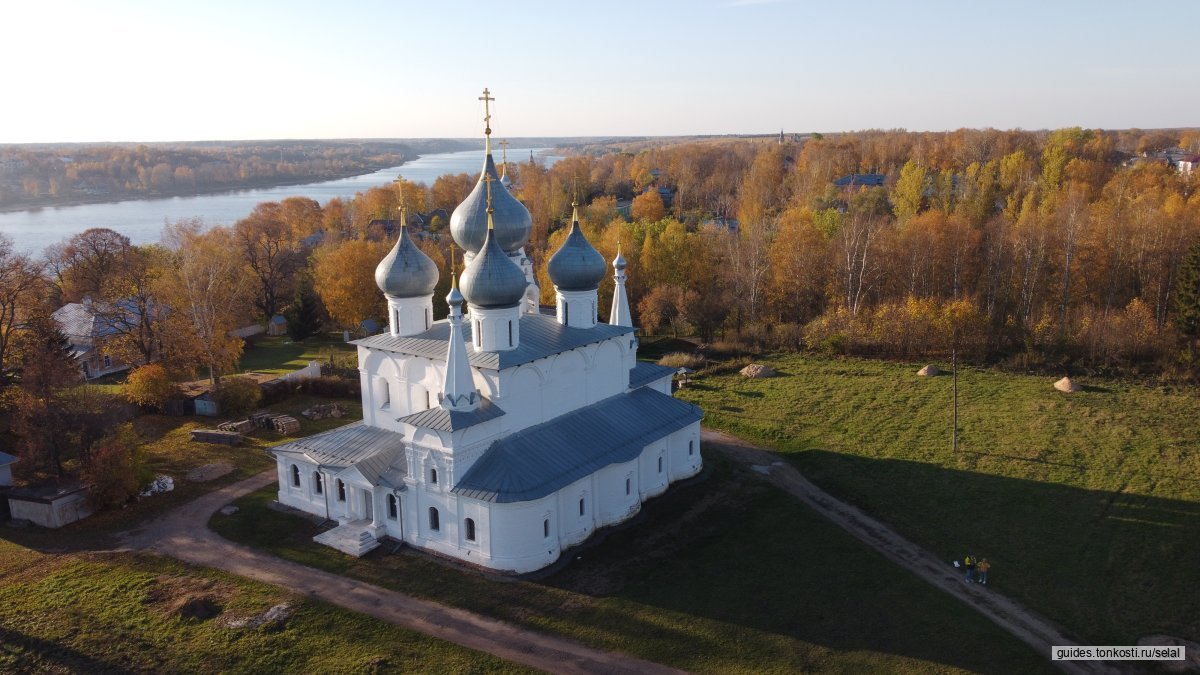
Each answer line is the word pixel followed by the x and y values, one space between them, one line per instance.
pixel 98 613
pixel 726 574
pixel 280 355
pixel 1088 505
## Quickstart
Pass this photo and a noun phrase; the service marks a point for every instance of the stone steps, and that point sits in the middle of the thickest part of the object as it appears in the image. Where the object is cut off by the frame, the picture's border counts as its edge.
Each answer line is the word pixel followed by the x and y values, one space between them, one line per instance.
pixel 353 538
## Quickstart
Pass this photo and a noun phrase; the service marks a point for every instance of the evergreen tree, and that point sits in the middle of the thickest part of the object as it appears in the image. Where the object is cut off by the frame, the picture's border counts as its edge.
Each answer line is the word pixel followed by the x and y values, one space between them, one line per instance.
pixel 1187 299
pixel 38 406
pixel 304 317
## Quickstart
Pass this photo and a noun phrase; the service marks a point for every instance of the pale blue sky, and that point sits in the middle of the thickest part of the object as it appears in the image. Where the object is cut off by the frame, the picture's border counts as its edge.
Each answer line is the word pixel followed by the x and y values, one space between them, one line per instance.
pixel 124 70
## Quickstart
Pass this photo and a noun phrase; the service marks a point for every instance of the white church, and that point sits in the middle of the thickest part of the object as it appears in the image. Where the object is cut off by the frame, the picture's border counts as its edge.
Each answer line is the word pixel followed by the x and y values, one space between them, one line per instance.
pixel 499 436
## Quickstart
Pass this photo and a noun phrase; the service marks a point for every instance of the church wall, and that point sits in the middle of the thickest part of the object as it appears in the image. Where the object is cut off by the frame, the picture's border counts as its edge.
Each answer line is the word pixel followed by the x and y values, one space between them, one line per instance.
pixel 684 452
pixel 518 540
pixel 613 502
pixel 654 478
pixel 607 376
pixel 565 388
pixel 303 497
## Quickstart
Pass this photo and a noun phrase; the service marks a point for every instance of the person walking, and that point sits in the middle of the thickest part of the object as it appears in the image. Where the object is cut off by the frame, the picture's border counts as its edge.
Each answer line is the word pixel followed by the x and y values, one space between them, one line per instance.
pixel 983 566
pixel 969 563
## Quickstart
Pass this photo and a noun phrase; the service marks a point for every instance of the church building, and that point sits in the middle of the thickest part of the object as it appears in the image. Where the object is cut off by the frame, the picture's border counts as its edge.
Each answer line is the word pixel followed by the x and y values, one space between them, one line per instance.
pixel 500 435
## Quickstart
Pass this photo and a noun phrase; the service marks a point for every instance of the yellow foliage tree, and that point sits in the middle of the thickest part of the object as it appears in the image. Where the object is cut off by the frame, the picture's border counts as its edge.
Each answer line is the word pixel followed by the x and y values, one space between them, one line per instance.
pixel 344 277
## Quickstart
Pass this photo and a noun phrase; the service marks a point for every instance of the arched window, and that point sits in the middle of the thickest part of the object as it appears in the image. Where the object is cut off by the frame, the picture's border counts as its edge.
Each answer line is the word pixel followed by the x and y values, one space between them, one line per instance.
pixel 469 526
pixel 318 483
pixel 626 486
pixel 582 510
pixel 566 313
pixel 393 507
pixel 384 393
pixel 341 490
pixel 691 447
pixel 546 528
pixel 295 476
pixel 435 522
pixel 433 476
pixel 660 464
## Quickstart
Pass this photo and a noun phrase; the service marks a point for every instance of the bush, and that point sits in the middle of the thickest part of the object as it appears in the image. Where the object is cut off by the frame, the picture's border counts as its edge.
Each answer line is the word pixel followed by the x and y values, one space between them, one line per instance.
pixel 111 470
pixel 681 360
pixel 149 385
pixel 238 396
pixel 333 387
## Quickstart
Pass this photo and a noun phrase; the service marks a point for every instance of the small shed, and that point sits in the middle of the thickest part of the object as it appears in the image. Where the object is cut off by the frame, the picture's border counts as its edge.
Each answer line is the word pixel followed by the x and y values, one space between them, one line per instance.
pixel 6 462
pixel 49 505
pixel 206 404
pixel 277 325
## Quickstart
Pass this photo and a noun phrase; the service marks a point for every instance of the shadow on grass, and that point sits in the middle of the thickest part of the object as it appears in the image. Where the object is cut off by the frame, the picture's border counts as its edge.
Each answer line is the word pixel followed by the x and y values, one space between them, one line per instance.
pixel 1106 565
pixel 48 655
pixel 727 574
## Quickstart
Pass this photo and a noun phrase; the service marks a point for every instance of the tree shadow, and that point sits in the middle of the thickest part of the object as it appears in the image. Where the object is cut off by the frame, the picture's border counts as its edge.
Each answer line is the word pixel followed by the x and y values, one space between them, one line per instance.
pixel 1103 565
pixel 52 655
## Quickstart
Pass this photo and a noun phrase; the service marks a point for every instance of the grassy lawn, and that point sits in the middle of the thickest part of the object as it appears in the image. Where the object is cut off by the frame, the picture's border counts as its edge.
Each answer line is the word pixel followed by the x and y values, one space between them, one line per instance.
pixel 727 574
pixel 1088 505
pixel 280 355
pixel 167 448
pixel 92 613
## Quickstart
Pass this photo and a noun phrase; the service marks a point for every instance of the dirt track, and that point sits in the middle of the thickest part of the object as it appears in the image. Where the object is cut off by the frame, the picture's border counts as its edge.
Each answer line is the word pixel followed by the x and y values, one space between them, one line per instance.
pixel 1022 622
pixel 183 533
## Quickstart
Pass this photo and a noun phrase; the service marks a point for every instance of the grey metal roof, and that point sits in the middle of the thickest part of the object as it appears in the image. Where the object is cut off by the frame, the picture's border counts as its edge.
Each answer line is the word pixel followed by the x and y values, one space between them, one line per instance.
pixel 492 279
pixel 390 461
pixel 644 373
pixel 406 272
pixel 541 336
pixel 576 265
pixel 535 462
pixel 440 419
pixel 344 446
pixel 6 459
pixel 468 223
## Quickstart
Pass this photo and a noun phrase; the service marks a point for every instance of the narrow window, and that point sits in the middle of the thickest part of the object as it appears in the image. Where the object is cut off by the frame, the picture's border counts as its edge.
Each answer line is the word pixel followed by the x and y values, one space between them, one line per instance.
pixel 426 318
pixel 295 475
pixel 660 464
pixel 691 447
pixel 434 521
pixel 546 528
pixel 385 393
pixel 108 362
pixel 393 508
pixel 627 487
pixel 428 403
pixel 581 505
pixel 318 484
pixel 341 490
pixel 567 313
pixel 478 335
pixel 470 528
pixel 510 333
pixel 433 476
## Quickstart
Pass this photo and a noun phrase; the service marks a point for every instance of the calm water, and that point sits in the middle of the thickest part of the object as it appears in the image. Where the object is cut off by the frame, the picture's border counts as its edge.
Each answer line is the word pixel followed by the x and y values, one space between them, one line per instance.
pixel 142 220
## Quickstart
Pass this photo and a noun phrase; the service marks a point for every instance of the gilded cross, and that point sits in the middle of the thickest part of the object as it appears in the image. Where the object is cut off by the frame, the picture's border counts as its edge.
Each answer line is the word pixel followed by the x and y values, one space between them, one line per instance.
pixel 487 110
pixel 504 151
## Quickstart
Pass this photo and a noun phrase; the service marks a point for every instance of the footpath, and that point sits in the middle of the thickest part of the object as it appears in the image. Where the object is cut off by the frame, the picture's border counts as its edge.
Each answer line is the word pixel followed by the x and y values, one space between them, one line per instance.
pixel 1031 628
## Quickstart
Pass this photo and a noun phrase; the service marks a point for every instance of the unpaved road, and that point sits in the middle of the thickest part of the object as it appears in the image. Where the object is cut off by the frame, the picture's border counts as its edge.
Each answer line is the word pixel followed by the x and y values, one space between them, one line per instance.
pixel 1022 622
pixel 183 533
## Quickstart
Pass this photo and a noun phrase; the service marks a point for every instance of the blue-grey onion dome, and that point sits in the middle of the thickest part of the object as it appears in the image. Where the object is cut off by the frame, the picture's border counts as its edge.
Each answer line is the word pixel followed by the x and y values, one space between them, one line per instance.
pixel 506 181
pixel 492 280
pixel 576 265
pixel 619 261
pixel 454 297
pixel 468 223
pixel 406 272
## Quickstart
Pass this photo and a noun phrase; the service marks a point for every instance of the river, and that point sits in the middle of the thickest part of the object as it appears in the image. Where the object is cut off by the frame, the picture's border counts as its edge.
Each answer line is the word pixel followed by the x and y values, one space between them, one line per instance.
pixel 142 220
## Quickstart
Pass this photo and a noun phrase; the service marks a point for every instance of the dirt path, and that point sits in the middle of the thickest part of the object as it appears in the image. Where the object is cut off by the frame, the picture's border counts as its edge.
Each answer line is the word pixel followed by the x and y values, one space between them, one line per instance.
pixel 183 533
pixel 1022 622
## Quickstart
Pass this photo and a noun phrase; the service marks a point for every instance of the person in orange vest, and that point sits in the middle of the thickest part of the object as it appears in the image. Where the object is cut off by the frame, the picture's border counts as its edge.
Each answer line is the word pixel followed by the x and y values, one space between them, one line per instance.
pixel 983 567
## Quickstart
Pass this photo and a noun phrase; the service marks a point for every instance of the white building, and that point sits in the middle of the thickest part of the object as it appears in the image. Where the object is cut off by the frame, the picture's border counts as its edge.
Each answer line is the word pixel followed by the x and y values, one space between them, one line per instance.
pixel 498 436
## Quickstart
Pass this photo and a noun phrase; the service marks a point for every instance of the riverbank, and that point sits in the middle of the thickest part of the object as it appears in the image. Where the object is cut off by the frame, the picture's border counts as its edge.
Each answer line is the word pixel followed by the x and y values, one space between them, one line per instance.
pixel 85 200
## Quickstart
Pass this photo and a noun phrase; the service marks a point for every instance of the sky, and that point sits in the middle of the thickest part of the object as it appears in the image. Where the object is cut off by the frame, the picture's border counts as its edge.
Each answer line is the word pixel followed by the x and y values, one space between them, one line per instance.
pixel 128 70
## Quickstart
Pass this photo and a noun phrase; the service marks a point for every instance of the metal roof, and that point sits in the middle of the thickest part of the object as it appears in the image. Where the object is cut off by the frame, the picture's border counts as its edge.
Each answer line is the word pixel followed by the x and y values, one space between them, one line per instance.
pixel 440 419
pixel 389 461
pixel 344 446
pixel 541 336
pixel 644 373
pixel 535 462
pixel 6 459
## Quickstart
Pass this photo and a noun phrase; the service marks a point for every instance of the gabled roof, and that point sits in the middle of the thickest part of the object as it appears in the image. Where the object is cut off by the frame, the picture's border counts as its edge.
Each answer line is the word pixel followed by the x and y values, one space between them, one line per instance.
pixel 344 446
pixel 440 419
pixel 372 468
pixel 644 373
pixel 541 336
pixel 535 462
pixel 851 180
pixel 85 322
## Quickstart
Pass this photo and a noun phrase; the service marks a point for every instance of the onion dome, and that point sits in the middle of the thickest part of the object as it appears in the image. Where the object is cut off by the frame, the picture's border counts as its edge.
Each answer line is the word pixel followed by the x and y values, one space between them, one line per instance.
pixel 505 180
pixel 577 265
pixel 619 261
pixel 492 280
pixel 406 272
pixel 468 223
pixel 454 298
